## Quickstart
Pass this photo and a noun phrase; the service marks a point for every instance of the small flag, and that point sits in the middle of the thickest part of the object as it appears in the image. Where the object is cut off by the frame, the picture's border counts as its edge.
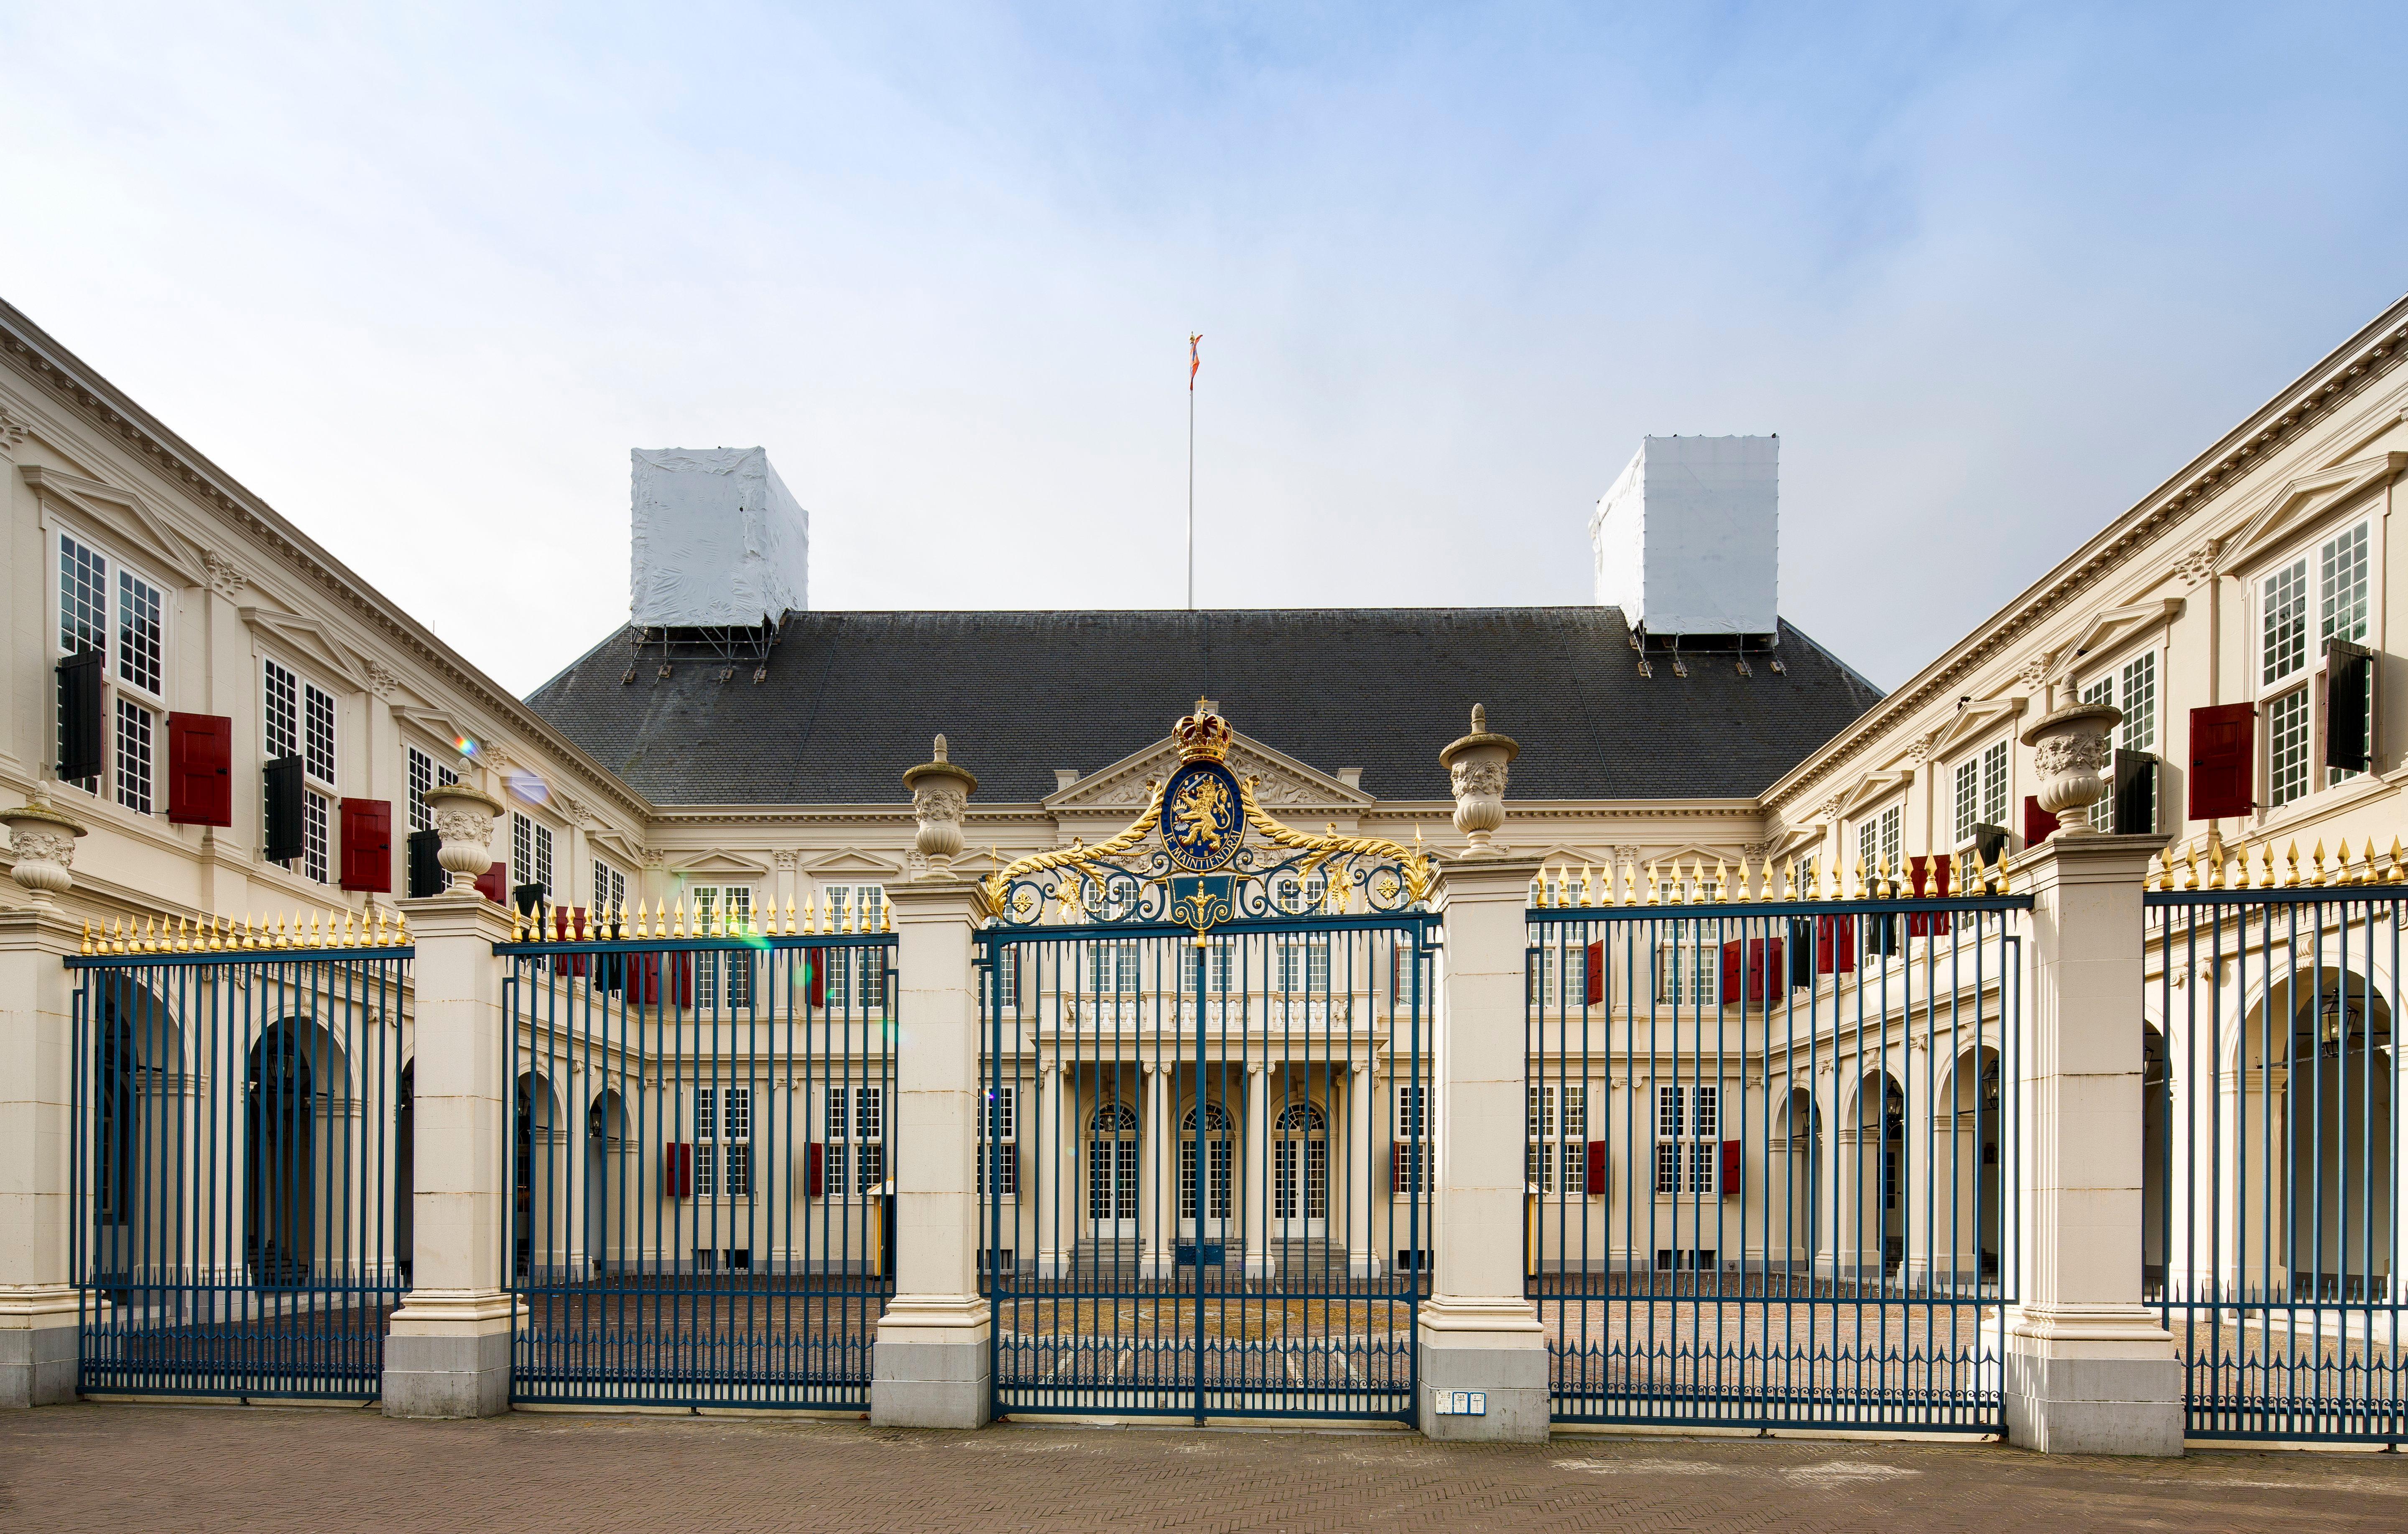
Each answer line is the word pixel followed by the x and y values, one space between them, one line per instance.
pixel 1194 362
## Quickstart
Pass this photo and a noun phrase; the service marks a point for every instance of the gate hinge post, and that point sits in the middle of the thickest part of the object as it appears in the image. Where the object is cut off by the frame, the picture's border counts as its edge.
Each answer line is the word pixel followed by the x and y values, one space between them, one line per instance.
pixel 38 1302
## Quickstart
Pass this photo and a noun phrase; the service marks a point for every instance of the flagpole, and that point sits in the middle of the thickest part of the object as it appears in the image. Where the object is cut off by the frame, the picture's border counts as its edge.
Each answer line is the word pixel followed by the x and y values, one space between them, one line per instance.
pixel 1192 364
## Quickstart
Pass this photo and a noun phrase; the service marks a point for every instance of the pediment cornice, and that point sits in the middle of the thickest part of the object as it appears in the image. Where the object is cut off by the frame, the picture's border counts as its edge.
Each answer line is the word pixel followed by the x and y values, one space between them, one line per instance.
pixel 1280 781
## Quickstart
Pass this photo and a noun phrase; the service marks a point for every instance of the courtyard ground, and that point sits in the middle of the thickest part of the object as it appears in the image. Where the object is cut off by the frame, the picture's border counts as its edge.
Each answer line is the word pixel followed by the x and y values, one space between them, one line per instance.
pixel 197 1469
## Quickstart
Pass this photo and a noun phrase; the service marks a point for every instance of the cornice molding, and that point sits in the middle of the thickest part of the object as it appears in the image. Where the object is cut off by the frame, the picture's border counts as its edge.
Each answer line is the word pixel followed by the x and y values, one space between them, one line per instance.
pixel 2312 401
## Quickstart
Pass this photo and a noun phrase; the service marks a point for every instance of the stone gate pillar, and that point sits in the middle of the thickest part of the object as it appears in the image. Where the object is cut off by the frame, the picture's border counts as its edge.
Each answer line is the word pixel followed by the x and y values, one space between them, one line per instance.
pixel 2088 1369
pixel 934 1365
pixel 1479 1331
pixel 38 1297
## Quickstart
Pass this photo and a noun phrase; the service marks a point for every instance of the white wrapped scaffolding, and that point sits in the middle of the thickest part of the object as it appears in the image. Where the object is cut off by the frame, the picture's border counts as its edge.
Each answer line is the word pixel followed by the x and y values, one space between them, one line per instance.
pixel 718 540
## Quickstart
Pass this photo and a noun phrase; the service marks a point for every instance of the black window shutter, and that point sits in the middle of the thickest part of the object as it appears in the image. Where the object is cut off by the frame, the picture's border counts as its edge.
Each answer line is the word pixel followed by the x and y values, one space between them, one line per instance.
pixel 1989 845
pixel 80 698
pixel 284 840
pixel 426 876
pixel 1801 951
pixel 2349 692
pixel 527 898
pixel 2136 794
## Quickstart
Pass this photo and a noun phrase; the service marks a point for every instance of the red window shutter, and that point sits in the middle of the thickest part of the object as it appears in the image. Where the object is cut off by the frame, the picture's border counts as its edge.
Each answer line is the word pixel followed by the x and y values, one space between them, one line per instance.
pixel 1918 870
pixel 495 882
pixel 2039 824
pixel 200 769
pixel 1730 973
pixel 1824 959
pixel 572 928
pixel 1843 943
pixel 815 1158
pixel 2223 760
pixel 643 979
pixel 1595 1182
pixel 1396 1167
pixel 1594 991
pixel 1730 1168
pixel 1768 973
pixel 682 978
pixel 677 1170
pixel 368 845
pixel 816 975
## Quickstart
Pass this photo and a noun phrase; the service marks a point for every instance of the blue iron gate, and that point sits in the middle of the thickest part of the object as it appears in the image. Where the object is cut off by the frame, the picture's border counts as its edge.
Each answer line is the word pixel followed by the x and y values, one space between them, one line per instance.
pixel 240 1151
pixel 2272 1174
pixel 1204 1163
pixel 1768 1144
pixel 702 1206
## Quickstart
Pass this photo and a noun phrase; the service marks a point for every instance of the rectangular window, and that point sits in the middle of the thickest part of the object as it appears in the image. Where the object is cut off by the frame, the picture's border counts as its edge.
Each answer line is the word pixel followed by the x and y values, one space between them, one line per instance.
pixel 610 890
pixel 1558 1136
pixel 134 723
pixel 1878 841
pixel 723 978
pixel 282 692
pixel 2283 620
pixel 424 773
pixel 2286 747
pixel 1968 797
pixel 1687 1122
pixel 530 853
pixel 1689 969
pixel 856 1132
pixel 2140 702
pixel 316 845
pixel 318 735
pixel 999 1147
pixel 2342 569
pixel 83 599
pixel 141 632
pixel 722 1133
pixel 1994 785
pixel 856 976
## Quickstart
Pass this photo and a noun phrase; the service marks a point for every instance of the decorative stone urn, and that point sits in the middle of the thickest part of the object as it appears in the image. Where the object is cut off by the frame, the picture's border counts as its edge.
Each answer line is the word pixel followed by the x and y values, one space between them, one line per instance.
pixel 2069 749
pixel 463 817
pixel 941 796
pixel 45 841
pixel 1475 765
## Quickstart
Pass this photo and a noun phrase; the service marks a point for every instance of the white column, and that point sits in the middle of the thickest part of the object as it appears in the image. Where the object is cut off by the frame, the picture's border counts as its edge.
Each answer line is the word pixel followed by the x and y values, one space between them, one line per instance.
pixel 1361 1110
pixel 932 1366
pixel 1045 1185
pixel 2090 1370
pixel 38 1299
pixel 1156 1262
pixel 447 1352
pixel 1256 1191
pixel 1478 1330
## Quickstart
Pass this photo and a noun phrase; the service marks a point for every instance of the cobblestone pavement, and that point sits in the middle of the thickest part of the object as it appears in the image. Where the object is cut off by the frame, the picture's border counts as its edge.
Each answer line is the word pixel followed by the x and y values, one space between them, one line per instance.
pixel 194 1469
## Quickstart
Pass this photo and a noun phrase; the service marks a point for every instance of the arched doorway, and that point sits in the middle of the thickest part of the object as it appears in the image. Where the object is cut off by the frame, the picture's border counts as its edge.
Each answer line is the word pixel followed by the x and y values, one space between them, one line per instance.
pixel 280 1155
pixel 1800 1142
pixel 1204 1207
pixel 1113 1171
pixel 536 1170
pixel 2156 1087
pixel 1300 1173
pixel 2338 1111
pixel 137 1133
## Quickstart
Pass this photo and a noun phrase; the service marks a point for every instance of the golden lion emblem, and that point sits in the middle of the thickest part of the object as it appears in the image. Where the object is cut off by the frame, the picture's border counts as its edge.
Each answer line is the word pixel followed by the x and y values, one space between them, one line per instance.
pixel 1200 815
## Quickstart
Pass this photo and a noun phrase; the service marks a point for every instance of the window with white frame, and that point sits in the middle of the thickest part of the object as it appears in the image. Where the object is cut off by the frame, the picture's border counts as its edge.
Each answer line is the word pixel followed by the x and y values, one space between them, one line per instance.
pixel 2131 687
pixel 298 720
pixel 2283 622
pixel 1688 1120
pixel 2286 747
pixel 1688 967
pixel 1556 1145
pixel 530 851
pixel 723 1148
pixel 1879 838
pixel 425 773
pixel 856 1133
pixel 1210 969
pixel 2336 584
pixel 2342 568
pixel 723 978
pixel 132 641
pixel 1413 1151
pixel 610 890
pixel 1112 968
pixel 856 977
pixel 1980 781
pixel 999 1144
pixel 1301 959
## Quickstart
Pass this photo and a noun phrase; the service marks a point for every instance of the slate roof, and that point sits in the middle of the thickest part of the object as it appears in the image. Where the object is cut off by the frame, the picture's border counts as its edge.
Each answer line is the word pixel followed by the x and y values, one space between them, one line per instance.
pixel 852 699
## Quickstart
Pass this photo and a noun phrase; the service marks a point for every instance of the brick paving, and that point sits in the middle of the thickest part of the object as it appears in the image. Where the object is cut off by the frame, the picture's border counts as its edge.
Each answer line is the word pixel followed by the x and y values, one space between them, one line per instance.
pixel 196 1469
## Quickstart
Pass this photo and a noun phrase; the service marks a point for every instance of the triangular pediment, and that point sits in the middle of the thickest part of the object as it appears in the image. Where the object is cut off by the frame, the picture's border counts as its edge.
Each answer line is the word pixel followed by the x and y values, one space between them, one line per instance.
pixel 850 860
pixel 130 520
pixel 716 861
pixel 1280 781
pixel 2301 501
pixel 310 640
pixel 1976 719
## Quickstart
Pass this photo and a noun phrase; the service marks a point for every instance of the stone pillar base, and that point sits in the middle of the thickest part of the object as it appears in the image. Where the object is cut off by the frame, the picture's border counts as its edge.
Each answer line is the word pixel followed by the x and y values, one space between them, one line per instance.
pixel 38 1346
pixel 1494 1347
pixel 2101 1381
pixel 449 1355
pixel 934 1366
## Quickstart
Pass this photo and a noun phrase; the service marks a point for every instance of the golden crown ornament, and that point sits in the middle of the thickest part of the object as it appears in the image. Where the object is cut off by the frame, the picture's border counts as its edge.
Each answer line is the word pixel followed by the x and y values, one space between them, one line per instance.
pixel 1204 735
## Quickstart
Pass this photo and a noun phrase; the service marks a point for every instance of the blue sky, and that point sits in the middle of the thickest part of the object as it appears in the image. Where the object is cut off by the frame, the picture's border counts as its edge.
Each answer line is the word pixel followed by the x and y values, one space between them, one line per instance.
pixel 421 278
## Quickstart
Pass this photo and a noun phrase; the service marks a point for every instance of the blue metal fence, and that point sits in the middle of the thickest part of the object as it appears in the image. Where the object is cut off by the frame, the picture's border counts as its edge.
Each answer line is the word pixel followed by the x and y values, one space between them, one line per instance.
pixel 2271 1186
pixel 1205 1164
pixel 1769 1147
pixel 702 1201
pixel 239 1166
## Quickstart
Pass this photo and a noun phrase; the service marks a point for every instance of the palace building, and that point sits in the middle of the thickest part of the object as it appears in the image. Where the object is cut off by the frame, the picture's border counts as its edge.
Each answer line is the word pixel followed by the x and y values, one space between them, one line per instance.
pixel 1758 976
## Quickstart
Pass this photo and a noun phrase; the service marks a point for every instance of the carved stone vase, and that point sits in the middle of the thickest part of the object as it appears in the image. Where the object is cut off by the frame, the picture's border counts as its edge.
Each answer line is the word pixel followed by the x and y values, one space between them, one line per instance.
pixel 1475 767
pixel 463 817
pixel 941 796
pixel 44 841
pixel 2071 749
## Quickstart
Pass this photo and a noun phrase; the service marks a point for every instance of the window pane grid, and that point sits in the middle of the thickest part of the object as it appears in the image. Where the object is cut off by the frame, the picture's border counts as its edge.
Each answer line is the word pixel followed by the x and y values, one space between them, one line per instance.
pixel 317 754
pixel 314 842
pixel 2140 702
pixel 2285 617
pixel 2286 742
pixel 2343 570
pixel 134 756
pixel 140 632
pixel 282 712
pixel 83 599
